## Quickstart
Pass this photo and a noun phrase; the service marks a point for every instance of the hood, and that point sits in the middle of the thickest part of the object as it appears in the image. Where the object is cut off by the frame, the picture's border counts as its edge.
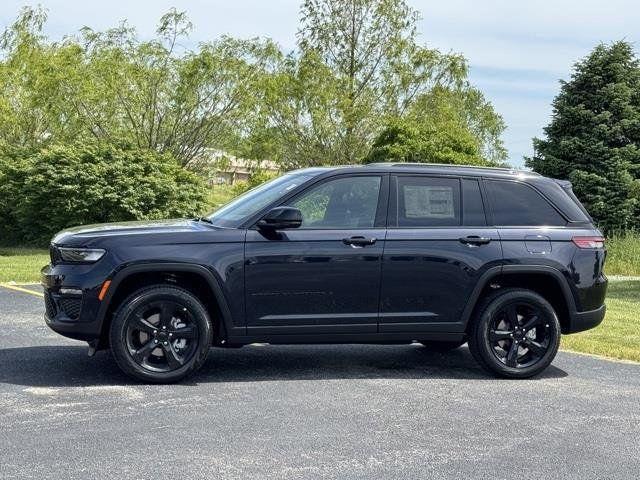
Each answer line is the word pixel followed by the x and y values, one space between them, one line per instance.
pixel 90 234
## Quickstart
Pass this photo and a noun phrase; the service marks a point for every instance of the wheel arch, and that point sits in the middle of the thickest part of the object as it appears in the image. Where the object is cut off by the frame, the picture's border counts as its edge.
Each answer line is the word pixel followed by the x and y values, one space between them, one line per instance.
pixel 124 280
pixel 543 279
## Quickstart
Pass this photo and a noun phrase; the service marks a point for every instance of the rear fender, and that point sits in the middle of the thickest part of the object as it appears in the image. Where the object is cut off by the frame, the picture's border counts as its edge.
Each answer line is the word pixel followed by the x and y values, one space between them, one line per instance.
pixel 496 272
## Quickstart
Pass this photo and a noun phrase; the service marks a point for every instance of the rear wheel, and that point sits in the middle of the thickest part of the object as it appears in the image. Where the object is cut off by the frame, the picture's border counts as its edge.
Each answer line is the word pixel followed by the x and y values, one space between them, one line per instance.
pixel 442 346
pixel 515 334
pixel 160 334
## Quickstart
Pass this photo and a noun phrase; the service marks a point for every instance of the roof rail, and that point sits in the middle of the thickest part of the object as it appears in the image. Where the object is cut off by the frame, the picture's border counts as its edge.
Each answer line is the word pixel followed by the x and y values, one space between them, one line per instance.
pixel 448 165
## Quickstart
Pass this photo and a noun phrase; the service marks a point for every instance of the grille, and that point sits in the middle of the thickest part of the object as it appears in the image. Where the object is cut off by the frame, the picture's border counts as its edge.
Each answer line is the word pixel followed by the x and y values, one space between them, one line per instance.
pixel 49 306
pixel 71 307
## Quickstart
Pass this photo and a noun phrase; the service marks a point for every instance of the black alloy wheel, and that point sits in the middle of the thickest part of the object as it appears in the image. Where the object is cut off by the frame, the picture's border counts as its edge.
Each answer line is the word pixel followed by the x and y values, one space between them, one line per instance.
pixel 515 333
pixel 519 334
pixel 160 334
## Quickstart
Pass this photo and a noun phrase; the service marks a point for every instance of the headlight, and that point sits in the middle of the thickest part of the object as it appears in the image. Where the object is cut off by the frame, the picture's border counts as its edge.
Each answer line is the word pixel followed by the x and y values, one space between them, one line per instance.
pixel 86 255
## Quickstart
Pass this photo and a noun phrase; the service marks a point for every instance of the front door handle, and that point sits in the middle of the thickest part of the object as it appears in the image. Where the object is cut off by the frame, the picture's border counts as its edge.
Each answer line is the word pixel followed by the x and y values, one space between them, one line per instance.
pixel 358 242
pixel 474 240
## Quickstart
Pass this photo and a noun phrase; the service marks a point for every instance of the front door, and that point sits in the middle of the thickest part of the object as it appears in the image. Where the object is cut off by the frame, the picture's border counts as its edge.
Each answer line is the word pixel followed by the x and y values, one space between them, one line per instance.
pixel 438 244
pixel 323 277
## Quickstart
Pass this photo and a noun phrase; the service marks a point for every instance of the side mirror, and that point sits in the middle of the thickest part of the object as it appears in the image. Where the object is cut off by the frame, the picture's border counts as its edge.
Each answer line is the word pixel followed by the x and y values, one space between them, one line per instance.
pixel 281 218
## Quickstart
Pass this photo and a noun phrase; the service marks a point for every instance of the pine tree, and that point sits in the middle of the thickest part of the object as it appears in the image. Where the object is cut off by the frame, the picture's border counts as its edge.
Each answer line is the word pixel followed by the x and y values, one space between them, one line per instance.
pixel 594 136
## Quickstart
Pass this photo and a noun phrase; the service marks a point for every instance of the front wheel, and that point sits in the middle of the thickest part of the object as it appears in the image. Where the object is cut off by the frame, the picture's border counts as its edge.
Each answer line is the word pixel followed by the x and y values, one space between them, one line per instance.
pixel 515 333
pixel 160 334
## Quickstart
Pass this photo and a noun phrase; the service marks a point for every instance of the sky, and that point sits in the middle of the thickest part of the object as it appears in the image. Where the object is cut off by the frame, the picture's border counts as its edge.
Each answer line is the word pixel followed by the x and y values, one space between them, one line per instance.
pixel 517 50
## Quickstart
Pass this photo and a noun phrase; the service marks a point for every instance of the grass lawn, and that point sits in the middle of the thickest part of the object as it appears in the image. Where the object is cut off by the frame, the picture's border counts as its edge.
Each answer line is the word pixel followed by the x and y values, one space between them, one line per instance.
pixel 22 264
pixel 623 255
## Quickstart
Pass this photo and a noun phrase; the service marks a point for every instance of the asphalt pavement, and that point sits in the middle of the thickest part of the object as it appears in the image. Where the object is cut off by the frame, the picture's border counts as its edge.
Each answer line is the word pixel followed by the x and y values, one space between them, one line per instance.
pixel 307 412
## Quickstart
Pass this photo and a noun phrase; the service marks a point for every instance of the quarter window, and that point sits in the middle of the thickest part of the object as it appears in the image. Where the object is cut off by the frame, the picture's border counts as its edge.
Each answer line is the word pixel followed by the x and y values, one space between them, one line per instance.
pixel 517 204
pixel 428 202
pixel 342 203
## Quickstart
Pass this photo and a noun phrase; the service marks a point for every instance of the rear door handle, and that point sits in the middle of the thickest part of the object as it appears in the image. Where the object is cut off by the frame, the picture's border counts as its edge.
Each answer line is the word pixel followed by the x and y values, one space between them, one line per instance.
pixel 474 240
pixel 358 241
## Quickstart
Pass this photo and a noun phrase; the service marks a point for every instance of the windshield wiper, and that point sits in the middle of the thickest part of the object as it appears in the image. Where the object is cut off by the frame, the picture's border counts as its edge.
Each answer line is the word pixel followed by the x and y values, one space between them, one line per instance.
pixel 203 219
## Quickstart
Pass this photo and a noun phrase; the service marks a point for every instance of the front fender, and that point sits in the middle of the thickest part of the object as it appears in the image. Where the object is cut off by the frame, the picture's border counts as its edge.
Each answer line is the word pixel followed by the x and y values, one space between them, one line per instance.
pixel 212 281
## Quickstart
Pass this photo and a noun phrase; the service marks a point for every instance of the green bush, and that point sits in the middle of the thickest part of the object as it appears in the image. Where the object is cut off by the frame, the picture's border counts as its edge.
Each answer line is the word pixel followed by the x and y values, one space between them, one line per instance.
pixel 66 185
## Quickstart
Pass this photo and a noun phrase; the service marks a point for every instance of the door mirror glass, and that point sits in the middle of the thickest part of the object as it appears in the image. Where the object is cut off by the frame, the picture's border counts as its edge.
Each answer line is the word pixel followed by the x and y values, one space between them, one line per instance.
pixel 281 218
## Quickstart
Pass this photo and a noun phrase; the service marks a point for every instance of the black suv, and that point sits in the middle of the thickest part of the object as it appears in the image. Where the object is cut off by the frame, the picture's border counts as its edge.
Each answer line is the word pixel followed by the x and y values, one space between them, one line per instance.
pixel 385 253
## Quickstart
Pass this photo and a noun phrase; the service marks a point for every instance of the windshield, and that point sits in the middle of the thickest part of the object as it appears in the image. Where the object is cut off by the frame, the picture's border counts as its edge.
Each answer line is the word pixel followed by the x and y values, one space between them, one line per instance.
pixel 251 202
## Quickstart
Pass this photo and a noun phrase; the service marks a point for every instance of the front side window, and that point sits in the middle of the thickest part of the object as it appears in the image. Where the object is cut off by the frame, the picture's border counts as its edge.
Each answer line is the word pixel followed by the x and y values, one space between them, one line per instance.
pixel 516 204
pixel 342 203
pixel 254 200
pixel 428 202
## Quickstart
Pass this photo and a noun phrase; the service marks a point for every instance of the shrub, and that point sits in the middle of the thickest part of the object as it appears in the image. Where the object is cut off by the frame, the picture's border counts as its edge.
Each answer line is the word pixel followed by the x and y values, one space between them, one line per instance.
pixel 66 185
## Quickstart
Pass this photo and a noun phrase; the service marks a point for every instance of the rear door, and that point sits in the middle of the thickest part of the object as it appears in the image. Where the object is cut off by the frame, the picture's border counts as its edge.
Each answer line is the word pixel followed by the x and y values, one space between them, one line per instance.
pixel 438 245
pixel 323 277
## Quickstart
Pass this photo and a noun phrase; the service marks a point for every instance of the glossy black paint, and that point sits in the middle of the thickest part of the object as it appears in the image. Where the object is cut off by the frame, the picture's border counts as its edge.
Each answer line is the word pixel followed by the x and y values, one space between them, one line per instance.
pixel 380 284
pixel 280 218
pixel 583 269
pixel 428 276
pixel 323 285
pixel 217 255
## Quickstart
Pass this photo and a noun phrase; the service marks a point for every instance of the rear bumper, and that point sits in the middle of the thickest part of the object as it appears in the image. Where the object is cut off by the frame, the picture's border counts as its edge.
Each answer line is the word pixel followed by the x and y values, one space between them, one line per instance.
pixel 581 321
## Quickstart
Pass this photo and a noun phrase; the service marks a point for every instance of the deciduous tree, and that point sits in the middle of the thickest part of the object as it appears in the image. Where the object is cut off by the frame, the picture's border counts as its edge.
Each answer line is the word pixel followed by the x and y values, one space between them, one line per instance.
pixel 358 69
pixel 110 86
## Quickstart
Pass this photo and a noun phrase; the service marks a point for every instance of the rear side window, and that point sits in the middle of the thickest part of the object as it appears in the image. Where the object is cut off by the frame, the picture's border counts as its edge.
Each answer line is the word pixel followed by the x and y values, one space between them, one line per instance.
pixel 428 202
pixel 517 204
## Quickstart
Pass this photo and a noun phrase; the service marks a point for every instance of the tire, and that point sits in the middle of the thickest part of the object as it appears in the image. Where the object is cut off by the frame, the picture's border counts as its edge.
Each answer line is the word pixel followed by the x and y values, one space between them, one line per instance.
pixel 160 334
pixel 500 344
pixel 443 346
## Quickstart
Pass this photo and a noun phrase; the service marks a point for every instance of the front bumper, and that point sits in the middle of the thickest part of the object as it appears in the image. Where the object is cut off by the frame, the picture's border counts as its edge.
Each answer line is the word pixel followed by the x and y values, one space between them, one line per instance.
pixel 581 321
pixel 72 315
pixel 86 331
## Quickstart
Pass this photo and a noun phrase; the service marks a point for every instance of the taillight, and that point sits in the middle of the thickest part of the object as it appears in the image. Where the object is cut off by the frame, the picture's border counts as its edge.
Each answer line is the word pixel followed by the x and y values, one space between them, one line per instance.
pixel 588 242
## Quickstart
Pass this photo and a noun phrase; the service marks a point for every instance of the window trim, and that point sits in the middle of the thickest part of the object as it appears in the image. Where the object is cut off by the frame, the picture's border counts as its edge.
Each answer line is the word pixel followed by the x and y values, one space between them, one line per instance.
pixel 380 219
pixel 485 186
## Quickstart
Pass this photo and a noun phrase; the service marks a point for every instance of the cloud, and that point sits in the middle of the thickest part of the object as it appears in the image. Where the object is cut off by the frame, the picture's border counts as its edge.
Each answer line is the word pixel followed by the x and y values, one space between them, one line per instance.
pixel 519 50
